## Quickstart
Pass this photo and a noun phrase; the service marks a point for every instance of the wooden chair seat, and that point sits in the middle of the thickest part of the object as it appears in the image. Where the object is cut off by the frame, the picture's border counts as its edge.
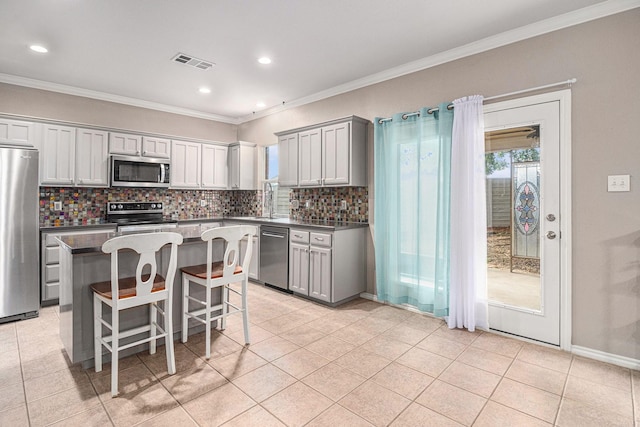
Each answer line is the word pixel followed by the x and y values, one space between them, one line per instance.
pixel 126 287
pixel 200 271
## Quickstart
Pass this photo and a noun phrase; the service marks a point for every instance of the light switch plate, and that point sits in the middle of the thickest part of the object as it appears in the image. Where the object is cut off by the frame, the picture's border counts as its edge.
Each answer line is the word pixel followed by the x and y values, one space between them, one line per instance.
pixel 57 206
pixel 617 183
pixel 203 203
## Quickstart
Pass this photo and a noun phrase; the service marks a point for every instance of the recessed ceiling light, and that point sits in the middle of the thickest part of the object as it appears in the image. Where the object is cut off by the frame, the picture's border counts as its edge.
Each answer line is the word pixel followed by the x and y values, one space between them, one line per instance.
pixel 264 60
pixel 261 105
pixel 38 48
pixel 204 90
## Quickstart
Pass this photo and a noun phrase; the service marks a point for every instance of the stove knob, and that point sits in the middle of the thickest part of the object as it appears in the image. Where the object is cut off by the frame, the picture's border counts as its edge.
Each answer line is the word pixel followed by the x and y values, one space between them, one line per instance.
pixel 153 205
pixel 113 207
pixel 119 206
pixel 159 205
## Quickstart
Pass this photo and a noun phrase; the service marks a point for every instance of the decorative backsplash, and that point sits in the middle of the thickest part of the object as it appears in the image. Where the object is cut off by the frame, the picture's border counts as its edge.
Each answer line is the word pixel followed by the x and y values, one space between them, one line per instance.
pixel 325 204
pixel 83 206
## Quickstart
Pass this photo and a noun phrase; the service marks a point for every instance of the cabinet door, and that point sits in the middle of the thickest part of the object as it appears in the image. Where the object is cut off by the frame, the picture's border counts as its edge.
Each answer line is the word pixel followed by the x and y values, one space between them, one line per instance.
pixel 156 147
pixel 214 166
pixel 336 154
pixel 185 164
pixel 57 156
pixel 16 132
pixel 126 144
pixel 92 158
pixel 234 167
pixel 320 273
pixel 288 160
pixel 299 268
pixel 310 155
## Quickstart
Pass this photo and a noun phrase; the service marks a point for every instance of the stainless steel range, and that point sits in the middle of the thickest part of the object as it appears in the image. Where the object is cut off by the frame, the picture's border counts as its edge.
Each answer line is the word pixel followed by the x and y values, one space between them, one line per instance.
pixel 137 216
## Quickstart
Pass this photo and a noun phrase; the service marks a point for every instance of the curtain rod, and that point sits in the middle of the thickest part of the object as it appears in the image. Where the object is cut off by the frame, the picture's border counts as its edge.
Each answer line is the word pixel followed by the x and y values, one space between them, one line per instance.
pixel 491 98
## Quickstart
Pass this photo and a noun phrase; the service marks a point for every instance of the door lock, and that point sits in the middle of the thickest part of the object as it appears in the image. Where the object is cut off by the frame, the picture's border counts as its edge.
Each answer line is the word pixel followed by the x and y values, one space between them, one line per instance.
pixel 551 235
pixel 551 217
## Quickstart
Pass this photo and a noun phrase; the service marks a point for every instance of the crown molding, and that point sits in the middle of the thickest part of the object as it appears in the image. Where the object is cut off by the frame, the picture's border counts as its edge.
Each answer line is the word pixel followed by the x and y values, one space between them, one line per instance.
pixel 590 13
pixel 102 96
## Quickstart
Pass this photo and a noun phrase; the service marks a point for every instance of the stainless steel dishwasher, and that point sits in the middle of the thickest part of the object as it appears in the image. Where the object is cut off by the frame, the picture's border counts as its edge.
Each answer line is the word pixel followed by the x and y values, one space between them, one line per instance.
pixel 274 256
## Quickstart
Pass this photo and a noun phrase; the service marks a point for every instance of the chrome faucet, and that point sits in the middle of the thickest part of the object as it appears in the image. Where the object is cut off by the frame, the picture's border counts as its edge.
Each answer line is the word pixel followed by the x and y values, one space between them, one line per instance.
pixel 269 198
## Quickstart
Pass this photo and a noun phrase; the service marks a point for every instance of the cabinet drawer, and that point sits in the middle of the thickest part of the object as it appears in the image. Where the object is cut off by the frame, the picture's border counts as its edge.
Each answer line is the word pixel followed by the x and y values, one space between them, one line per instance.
pixel 51 291
pixel 52 255
pixel 51 239
pixel 321 239
pixel 52 273
pixel 297 236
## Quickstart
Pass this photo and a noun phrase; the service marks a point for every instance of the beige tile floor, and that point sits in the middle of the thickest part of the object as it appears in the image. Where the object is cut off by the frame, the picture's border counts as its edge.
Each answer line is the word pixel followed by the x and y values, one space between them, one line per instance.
pixel 359 365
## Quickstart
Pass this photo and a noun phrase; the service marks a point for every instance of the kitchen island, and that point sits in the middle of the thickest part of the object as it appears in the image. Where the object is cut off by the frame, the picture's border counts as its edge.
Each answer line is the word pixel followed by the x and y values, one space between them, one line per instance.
pixel 82 263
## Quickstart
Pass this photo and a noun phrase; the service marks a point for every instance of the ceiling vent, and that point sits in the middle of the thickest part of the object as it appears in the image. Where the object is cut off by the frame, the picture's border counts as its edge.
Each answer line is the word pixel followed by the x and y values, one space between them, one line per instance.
pixel 192 61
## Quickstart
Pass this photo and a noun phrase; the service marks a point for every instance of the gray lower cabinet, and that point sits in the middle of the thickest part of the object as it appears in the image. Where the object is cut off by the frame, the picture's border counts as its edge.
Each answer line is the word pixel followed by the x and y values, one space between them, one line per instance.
pixel 50 262
pixel 328 267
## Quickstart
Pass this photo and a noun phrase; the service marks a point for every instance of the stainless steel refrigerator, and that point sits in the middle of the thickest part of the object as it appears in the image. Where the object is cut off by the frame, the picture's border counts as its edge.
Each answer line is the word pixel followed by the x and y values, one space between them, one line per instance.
pixel 19 252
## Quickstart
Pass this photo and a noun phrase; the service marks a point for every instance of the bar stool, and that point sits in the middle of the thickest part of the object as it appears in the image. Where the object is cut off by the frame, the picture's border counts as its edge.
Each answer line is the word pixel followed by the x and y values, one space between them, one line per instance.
pixel 218 274
pixel 145 288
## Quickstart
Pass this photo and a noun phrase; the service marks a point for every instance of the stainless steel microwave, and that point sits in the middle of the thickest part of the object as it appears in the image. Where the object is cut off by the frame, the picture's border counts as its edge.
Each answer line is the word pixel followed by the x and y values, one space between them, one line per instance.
pixel 131 171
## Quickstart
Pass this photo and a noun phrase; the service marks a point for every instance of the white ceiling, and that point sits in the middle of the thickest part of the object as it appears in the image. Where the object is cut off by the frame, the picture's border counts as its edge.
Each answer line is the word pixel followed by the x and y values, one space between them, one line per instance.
pixel 121 50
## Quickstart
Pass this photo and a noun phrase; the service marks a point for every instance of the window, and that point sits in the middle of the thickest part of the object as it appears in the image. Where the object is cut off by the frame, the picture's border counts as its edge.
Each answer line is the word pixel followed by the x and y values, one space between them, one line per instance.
pixel 272 190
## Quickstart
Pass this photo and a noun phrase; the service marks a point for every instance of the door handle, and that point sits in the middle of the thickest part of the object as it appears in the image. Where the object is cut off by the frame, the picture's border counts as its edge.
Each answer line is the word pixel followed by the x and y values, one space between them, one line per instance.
pixel 551 235
pixel 273 235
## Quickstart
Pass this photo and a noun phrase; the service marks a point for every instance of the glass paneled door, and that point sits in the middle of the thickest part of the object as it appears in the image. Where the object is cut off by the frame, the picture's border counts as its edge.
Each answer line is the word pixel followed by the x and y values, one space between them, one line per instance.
pixel 523 219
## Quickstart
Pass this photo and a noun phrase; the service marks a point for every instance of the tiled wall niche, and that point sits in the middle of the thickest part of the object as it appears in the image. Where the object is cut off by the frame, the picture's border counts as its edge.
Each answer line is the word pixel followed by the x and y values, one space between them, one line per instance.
pixel 83 206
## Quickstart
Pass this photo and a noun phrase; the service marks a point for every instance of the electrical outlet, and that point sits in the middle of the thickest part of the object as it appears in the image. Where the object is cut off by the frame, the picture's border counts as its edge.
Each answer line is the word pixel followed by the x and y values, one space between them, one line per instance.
pixel 343 205
pixel 618 183
pixel 295 204
pixel 307 204
pixel 57 206
pixel 203 203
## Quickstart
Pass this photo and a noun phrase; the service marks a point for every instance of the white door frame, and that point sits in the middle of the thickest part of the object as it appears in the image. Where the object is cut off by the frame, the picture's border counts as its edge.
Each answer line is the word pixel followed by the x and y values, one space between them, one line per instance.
pixel 564 99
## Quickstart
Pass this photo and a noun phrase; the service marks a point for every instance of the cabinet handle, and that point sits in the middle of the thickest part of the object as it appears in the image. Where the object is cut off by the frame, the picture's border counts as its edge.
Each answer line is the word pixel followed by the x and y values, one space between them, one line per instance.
pixel 320 239
pixel 144 153
pixel 297 235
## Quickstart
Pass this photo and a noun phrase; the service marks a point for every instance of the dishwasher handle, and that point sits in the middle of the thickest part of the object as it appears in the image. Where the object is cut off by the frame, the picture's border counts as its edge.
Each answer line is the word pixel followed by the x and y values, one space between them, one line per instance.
pixel 279 236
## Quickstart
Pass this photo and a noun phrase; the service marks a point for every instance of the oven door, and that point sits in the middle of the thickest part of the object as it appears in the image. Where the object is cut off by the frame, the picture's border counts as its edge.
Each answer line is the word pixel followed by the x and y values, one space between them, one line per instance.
pixel 129 171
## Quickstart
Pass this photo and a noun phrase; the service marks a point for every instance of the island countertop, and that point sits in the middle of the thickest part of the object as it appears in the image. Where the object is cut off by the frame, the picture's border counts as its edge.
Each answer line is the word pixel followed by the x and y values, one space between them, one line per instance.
pixel 89 243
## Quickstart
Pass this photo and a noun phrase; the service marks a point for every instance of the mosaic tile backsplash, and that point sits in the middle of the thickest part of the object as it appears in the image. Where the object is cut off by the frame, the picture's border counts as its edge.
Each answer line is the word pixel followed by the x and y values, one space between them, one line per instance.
pixel 82 206
pixel 325 204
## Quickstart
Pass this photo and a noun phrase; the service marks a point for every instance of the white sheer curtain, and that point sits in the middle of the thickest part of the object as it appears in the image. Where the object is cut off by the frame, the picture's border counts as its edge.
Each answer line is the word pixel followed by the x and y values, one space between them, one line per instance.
pixel 468 279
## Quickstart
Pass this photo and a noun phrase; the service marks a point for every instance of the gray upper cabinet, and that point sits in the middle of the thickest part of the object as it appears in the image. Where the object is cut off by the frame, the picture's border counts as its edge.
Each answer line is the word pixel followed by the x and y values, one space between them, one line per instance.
pixel 242 164
pixel 328 154
pixel 125 144
pixel 92 158
pixel 156 147
pixel 17 132
pixel 288 160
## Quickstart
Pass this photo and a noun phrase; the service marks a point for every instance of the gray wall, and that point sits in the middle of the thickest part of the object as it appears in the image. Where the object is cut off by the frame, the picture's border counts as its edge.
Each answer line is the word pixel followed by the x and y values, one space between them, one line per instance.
pixel 604 56
pixel 50 105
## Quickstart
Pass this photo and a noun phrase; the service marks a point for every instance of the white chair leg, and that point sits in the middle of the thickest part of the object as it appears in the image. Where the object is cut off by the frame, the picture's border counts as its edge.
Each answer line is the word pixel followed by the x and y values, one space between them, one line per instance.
pixel 225 306
pixel 185 307
pixel 97 333
pixel 153 319
pixel 207 324
pixel 245 312
pixel 168 340
pixel 115 347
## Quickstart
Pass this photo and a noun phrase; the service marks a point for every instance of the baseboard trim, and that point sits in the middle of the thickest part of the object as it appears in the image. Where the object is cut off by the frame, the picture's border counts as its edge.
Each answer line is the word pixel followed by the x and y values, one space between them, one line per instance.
pixel 614 359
